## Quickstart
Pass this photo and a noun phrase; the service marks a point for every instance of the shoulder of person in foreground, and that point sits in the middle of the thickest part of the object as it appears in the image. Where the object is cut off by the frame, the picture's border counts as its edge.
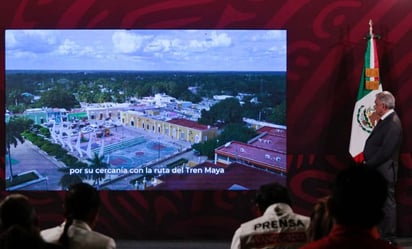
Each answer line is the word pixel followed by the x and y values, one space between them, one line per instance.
pixel 109 242
pixel 235 244
pixel 52 235
pixel 82 238
pixel 328 243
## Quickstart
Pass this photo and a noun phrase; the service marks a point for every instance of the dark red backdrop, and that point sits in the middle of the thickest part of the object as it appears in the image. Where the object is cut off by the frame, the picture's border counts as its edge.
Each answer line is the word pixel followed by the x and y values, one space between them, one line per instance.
pixel 325 56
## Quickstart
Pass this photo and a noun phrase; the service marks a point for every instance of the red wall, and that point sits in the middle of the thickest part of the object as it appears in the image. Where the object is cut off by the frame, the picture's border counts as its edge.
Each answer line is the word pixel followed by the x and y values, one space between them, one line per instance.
pixel 325 56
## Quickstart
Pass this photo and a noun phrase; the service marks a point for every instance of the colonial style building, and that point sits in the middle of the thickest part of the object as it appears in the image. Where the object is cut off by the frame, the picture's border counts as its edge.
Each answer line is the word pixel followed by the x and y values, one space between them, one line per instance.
pixel 44 115
pixel 168 124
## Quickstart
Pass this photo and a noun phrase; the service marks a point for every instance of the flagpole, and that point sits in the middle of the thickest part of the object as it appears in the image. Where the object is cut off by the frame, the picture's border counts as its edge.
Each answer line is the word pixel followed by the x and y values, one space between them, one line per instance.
pixel 371 27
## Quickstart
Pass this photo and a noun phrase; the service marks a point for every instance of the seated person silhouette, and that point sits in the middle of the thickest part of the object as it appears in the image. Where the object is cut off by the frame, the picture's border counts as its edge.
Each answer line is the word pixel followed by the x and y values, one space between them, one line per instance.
pixel 356 205
pixel 19 225
pixel 321 221
pixel 278 227
pixel 81 206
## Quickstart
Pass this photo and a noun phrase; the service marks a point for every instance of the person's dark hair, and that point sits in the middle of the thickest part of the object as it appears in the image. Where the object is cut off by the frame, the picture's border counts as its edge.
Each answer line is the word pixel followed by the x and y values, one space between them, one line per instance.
pixel 321 222
pixel 16 209
pixel 358 197
pixel 20 225
pixel 272 193
pixel 81 201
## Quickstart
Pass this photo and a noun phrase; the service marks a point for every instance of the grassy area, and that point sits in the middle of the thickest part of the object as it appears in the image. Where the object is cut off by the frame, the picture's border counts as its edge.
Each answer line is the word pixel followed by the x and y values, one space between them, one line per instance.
pixel 20 179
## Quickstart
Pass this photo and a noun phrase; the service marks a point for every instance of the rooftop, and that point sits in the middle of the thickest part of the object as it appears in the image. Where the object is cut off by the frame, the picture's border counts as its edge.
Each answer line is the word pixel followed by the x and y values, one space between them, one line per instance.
pixel 188 123
pixel 252 154
pixel 270 142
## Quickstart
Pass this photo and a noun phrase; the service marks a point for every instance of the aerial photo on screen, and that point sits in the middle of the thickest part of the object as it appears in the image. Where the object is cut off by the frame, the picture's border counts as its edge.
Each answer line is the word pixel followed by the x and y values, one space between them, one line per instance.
pixel 145 110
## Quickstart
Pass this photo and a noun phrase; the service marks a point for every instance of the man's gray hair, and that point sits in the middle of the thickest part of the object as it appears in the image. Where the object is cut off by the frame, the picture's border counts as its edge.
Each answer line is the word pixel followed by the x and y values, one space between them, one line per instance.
pixel 387 99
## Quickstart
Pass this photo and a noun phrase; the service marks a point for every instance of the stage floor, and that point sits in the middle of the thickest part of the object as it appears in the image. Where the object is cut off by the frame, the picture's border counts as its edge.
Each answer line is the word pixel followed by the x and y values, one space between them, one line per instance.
pixel 405 243
pixel 172 244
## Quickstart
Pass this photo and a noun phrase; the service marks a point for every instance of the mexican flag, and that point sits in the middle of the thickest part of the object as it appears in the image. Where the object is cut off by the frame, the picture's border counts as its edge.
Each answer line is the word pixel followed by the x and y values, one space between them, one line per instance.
pixel 364 116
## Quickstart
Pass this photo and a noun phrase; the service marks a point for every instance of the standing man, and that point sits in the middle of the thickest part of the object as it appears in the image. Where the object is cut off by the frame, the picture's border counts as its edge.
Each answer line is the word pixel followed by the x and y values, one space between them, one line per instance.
pixel 381 152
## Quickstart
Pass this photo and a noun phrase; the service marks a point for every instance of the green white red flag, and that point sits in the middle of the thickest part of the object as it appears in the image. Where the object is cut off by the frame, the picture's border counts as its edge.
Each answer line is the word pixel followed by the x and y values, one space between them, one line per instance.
pixel 364 116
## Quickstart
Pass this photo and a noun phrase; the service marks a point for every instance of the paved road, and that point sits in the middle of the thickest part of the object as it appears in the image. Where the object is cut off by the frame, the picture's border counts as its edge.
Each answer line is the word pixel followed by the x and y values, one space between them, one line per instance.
pixel 30 157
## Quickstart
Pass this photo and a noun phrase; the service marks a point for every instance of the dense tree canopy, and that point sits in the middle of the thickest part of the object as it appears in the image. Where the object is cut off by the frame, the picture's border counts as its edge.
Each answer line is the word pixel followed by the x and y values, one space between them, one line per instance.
pixel 66 88
pixel 226 111
pixel 60 98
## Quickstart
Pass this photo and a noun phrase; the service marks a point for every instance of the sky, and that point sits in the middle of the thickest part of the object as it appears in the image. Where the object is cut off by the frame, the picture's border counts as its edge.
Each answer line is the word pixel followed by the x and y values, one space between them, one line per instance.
pixel 164 50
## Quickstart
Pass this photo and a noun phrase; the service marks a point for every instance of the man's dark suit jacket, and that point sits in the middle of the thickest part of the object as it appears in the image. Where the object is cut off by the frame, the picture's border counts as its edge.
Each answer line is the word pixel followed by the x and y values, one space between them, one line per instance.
pixel 382 147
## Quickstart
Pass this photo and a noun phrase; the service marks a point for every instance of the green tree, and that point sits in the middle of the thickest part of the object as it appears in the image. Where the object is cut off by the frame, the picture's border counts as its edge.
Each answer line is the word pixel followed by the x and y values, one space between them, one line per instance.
pixel 226 111
pixel 145 90
pixel 117 93
pixel 103 97
pixel 60 98
pixel 85 94
pixel 12 98
pixel 20 108
pixel 277 114
pixel 14 130
pixel 69 179
pixel 95 164
pixel 207 148
pixel 237 132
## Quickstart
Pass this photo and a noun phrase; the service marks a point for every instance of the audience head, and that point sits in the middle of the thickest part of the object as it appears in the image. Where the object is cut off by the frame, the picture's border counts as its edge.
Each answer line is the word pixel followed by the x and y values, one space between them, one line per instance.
pixel 269 194
pixel 82 202
pixel 19 224
pixel 16 209
pixel 321 221
pixel 358 197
